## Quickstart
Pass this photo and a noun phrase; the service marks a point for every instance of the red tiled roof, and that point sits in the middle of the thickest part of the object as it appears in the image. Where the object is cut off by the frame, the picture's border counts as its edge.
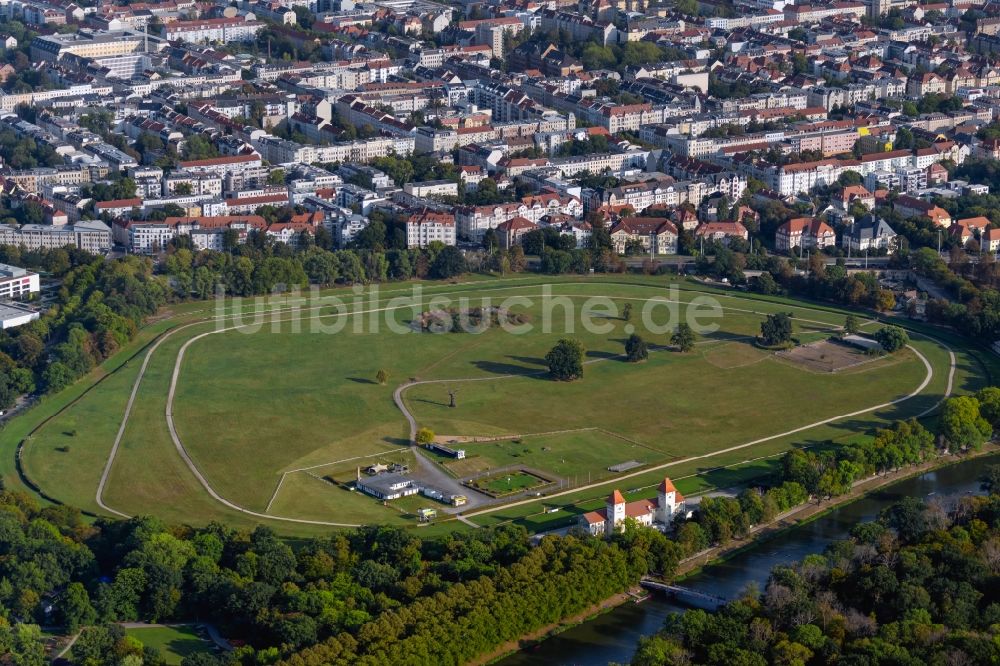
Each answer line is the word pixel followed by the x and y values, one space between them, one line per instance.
pixel 639 508
pixel 517 223
pixel 118 203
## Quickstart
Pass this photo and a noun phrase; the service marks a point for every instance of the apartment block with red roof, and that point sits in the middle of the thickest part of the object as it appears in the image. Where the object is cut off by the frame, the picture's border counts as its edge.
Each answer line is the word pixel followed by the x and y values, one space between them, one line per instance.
pixel 805 233
pixel 908 206
pixel 224 165
pixel 425 227
pixel 656 234
pixel 722 231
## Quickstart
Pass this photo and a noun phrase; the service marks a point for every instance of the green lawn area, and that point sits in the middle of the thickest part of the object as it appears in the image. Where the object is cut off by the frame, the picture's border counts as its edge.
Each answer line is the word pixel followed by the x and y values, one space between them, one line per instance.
pixel 672 406
pixel 174 643
pixel 251 408
pixel 562 454
pixel 325 406
pixel 72 451
pixel 509 482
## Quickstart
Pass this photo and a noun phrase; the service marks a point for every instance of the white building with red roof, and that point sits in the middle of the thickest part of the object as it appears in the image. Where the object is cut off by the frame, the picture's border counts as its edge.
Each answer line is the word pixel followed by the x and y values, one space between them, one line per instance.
pixel 425 227
pixel 668 503
pixel 805 233
pixel 722 231
pixel 223 165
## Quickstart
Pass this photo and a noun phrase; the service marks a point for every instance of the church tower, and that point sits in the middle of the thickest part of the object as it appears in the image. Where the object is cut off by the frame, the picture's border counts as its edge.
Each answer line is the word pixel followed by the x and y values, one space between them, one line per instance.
pixel 666 500
pixel 615 512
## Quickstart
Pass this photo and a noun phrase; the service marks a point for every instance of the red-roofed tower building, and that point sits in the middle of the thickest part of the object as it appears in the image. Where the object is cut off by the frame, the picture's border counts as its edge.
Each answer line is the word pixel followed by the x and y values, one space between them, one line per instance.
pixel 615 511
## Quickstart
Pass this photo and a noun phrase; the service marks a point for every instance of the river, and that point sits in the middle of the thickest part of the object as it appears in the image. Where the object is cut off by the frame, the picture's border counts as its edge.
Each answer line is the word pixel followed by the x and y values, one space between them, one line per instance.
pixel 613 637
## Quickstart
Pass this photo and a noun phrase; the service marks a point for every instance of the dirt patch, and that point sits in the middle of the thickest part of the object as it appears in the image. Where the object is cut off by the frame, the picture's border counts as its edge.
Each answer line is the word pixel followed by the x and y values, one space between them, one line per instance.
pixel 159 316
pixel 825 356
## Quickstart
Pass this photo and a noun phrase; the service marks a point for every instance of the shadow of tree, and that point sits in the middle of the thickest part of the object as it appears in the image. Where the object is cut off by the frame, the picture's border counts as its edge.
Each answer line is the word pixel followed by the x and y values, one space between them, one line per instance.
pixel 499 368
pixel 530 360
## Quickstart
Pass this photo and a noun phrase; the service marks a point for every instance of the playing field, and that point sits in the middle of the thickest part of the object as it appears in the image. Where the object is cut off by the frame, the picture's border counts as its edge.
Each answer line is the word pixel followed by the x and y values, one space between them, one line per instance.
pixel 509 482
pixel 273 425
pixel 173 643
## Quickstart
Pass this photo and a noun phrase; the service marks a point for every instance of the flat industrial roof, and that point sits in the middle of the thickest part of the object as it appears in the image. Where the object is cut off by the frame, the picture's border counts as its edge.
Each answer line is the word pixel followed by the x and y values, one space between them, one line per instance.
pixel 12 310
pixel 6 270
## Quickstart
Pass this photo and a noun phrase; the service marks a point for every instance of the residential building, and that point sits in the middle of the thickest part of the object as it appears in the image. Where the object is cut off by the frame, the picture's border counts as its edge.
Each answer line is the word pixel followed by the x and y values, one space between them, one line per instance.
pixel 655 235
pixel 804 233
pixel 90 235
pixel 218 30
pixel 870 234
pixel 722 231
pixel 17 282
pixel 509 233
pixel 426 227
pixel 908 206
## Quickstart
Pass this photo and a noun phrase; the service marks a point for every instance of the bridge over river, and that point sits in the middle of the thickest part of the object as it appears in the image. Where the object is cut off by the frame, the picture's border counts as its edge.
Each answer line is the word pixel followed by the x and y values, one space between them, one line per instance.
pixel 684 594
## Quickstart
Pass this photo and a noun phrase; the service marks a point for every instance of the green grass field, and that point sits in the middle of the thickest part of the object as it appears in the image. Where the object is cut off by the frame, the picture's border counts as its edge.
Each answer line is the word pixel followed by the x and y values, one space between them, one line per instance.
pixel 266 416
pixel 509 482
pixel 173 643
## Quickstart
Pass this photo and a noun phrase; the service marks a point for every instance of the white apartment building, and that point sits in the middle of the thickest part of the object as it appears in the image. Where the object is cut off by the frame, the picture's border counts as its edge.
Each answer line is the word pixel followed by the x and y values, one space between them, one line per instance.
pixel 600 162
pixel 424 228
pixel 222 30
pixel 206 232
pixel 281 151
pixel 432 188
pixel 17 282
pixel 146 237
pixel 90 235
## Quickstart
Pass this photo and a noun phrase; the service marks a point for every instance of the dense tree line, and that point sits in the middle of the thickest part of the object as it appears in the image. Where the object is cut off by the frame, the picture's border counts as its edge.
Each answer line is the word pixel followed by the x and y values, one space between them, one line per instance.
pixel 820 281
pixel 100 306
pixel 559 578
pixel 366 596
pixel 918 586
pixel 974 309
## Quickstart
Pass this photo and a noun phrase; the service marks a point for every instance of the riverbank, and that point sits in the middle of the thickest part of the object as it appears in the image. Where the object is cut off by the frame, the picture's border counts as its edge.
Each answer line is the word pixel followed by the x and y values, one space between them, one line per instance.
pixel 535 637
pixel 807 512
pixel 797 517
